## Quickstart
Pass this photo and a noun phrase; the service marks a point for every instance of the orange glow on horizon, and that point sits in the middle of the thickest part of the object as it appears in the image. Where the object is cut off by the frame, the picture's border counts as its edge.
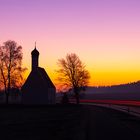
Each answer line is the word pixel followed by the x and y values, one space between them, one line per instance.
pixel 98 77
pixel 104 34
pixel 104 71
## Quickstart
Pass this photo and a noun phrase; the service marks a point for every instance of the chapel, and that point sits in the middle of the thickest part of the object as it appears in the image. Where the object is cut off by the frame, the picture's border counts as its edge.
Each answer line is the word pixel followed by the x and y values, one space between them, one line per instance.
pixel 38 88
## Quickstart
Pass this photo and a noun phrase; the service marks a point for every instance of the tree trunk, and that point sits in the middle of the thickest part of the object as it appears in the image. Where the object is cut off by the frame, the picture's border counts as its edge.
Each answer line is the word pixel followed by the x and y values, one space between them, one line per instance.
pixel 9 85
pixel 77 95
pixel 9 78
pixel 77 98
pixel 5 84
pixel 8 91
pixel 7 95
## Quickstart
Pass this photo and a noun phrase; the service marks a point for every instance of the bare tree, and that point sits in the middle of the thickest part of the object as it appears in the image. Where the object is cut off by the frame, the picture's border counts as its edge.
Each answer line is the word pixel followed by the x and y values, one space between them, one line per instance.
pixel 3 79
pixel 72 74
pixel 11 70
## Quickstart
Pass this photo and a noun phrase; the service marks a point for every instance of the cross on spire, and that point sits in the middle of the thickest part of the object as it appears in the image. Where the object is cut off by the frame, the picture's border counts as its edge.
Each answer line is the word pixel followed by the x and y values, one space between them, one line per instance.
pixel 35 44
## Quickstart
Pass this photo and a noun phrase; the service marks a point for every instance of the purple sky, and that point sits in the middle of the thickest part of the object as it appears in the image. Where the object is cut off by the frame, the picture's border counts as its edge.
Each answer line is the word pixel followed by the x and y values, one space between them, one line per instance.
pixel 104 33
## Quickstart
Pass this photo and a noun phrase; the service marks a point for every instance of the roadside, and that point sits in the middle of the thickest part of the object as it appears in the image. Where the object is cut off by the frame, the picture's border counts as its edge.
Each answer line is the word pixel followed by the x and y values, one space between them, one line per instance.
pixel 111 125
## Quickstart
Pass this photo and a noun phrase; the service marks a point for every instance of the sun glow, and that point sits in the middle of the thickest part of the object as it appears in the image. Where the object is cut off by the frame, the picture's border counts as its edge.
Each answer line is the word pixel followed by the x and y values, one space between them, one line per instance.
pixel 105 35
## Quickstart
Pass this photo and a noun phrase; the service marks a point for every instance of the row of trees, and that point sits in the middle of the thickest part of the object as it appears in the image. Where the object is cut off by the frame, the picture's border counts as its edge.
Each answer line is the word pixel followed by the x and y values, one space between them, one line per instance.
pixel 71 73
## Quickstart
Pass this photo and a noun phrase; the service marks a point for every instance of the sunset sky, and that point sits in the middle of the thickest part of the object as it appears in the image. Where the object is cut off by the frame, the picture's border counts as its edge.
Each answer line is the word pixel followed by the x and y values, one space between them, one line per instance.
pixel 105 34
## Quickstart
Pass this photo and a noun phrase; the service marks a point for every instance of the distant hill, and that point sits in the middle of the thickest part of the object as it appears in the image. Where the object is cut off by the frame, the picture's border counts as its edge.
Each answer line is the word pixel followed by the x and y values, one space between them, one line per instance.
pixel 123 88
pixel 130 91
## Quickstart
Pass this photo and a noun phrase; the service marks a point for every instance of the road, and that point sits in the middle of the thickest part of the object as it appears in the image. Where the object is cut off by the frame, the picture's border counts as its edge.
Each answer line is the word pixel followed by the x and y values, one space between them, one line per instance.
pixel 108 124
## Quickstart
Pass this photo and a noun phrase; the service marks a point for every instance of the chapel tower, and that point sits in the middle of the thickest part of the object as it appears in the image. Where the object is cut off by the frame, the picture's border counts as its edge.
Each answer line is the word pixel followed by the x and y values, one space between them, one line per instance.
pixel 35 57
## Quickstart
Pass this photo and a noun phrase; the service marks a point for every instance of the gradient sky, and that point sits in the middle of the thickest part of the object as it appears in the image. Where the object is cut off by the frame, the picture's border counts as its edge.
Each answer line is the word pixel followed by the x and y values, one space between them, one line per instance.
pixel 105 34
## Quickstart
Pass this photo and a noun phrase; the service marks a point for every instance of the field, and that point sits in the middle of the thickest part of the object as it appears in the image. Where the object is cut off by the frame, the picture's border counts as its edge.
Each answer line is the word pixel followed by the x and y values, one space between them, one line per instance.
pixel 66 122
pixel 42 122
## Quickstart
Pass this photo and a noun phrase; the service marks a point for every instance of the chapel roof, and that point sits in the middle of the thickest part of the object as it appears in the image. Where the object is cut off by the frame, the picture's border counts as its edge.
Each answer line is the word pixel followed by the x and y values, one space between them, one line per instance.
pixel 38 78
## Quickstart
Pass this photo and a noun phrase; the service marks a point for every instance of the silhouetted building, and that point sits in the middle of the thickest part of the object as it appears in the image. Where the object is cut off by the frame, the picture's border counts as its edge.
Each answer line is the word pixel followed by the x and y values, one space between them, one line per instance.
pixel 38 88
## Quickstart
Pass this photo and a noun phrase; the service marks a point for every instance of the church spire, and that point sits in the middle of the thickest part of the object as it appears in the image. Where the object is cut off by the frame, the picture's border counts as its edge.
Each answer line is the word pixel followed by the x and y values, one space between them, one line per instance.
pixel 35 57
pixel 35 44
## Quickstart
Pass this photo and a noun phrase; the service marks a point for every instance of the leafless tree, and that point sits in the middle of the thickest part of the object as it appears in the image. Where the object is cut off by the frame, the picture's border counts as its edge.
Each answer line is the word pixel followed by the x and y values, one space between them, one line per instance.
pixel 11 71
pixel 73 74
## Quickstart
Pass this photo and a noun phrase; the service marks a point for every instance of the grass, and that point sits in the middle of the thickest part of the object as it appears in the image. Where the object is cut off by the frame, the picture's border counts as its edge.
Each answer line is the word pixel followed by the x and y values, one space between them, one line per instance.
pixel 42 122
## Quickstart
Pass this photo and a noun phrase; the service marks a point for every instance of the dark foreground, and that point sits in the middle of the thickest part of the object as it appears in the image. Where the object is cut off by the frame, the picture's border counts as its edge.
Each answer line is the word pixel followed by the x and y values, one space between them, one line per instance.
pixel 66 122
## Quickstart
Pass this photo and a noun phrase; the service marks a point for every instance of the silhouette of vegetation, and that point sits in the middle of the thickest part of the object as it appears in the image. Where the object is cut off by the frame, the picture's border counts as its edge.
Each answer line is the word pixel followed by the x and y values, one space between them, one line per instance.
pixel 130 91
pixel 65 99
pixel 133 87
pixel 72 74
pixel 11 70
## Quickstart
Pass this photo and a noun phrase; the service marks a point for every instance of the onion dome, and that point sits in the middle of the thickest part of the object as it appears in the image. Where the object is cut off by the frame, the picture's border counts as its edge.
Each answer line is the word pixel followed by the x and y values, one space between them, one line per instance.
pixel 35 52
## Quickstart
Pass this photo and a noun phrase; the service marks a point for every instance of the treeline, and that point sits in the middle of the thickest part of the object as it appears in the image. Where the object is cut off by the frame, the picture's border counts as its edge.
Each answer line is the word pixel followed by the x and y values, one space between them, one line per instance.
pixel 123 88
